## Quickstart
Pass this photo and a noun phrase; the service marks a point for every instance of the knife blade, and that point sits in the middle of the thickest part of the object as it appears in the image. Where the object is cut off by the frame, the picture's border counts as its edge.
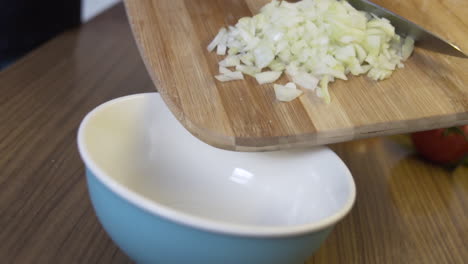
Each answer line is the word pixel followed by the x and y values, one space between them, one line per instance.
pixel 404 27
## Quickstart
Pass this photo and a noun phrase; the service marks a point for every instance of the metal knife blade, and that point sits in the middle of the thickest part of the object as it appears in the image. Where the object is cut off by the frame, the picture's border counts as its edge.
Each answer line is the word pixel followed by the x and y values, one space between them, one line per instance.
pixel 423 38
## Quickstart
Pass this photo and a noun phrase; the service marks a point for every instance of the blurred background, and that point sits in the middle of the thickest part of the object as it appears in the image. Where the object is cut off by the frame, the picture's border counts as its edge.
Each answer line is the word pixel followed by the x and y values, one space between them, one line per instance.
pixel 93 7
pixel 27 24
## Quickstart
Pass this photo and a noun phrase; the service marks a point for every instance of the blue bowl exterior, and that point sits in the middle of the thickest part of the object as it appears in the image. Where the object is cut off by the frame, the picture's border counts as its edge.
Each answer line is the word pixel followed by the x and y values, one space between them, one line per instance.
pixel 149 238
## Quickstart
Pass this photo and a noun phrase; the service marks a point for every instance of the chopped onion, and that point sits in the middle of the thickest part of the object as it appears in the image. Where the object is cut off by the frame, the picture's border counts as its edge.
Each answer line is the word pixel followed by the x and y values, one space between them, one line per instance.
pixel 230 61
pixel 305 80
pixel 217 39
pixel 324 89
pixel 249 70
pixel 407 48
pixel 277 65
pixel 286 93
pixel 314 42
pixel 221 50
pixel 263 55
pixel 267 77
pixel 230 76
pixel 224 70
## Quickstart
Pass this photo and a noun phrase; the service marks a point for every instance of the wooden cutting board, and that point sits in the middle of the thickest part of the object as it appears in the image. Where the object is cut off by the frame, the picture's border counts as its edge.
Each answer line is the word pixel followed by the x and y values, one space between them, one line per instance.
pixel 172 35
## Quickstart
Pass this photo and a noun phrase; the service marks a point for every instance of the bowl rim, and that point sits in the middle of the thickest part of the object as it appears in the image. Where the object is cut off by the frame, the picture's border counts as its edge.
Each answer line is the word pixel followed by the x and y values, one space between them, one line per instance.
pixel 199 222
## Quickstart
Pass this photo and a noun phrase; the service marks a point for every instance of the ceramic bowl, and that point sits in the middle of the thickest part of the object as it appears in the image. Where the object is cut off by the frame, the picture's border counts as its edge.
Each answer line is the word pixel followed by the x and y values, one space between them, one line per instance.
pixel 164 196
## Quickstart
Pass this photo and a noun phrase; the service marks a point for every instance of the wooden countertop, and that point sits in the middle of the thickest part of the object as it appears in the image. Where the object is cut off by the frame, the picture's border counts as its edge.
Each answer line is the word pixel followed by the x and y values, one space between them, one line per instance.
pixel 407 211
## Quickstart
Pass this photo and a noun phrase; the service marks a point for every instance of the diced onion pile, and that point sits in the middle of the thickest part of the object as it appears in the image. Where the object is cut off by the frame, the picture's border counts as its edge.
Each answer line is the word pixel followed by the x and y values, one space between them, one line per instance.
pixel 313 42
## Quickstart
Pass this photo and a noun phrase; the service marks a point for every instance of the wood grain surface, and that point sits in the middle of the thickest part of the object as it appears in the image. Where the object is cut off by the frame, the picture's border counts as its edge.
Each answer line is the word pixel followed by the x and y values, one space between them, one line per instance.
pixel 407 211
pixel 172 35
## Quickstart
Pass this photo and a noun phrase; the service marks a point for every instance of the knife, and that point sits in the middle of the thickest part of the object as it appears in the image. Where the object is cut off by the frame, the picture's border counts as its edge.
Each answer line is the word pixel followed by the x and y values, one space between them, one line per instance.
pixel 423 38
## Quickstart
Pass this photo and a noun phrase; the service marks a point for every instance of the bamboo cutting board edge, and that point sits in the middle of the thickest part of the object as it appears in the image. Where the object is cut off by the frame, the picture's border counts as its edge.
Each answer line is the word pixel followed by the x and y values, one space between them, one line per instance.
pixel 332 137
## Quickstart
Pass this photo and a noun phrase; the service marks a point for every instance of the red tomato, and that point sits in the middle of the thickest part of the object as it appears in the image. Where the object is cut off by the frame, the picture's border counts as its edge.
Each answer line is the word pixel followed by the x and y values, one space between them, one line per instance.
pixel 442 146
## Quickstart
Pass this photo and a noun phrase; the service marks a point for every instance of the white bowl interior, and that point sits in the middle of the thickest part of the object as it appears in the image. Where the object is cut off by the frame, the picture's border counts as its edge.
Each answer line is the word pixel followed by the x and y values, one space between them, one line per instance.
pixel 137 142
